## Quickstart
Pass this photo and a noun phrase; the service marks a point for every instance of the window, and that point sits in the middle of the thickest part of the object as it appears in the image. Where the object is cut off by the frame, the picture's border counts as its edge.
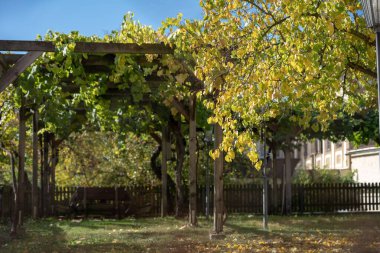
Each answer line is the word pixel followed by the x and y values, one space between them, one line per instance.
pixel 338 144
pixel 338 159
pixel 328 145
pixel 319 145
pixel 327 163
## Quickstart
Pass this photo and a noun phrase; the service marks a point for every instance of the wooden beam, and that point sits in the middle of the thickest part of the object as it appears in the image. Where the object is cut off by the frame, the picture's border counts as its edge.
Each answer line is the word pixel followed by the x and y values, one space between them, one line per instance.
pixel 12 73
pixel 10 59
pixel 88 47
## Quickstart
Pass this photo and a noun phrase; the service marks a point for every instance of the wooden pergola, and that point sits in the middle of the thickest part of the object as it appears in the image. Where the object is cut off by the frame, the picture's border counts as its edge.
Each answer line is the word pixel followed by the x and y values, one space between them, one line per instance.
pixel 100 57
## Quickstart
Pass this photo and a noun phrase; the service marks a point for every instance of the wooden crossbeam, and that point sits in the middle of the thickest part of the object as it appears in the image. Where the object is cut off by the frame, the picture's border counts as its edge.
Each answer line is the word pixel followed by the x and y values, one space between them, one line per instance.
pixel 12 73
pixel 10 59
pixel 87 47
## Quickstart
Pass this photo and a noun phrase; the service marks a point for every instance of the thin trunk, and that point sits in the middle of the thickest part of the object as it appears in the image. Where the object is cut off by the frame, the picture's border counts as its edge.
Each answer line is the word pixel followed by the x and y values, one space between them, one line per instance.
pixel 19 196
pixel 14 186
pixel 21 165
pixel 157 171
pixel 164 178
pixel 274 183
pixel 193 163
pixel 35 166
pixel 288 182
pixel 265 188
pixel 13 169
pixel 207 178
pixel 180 150
pixel 218 184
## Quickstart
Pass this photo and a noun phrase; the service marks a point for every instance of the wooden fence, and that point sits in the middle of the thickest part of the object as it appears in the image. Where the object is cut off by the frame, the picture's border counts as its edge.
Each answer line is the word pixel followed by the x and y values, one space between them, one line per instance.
pixel 244 198
pixel 354 197
pixel 108 201
pixel 310 198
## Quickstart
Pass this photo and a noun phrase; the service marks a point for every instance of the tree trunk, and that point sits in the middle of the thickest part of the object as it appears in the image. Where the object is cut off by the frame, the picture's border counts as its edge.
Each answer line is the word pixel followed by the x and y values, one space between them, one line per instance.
pixel 193 163
pixel 288 181
pixel 274 183
pixel 14 187
pixel 35 166
pixel 180 150
pixel 164 178
pixel 19 195
pixel 218 184
pixel 157 171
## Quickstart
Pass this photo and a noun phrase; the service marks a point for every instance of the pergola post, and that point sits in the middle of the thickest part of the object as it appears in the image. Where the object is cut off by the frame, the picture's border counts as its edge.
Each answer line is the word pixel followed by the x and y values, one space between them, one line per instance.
pixel 164 175
pixel 21 163
pixel 46 173
pixel 218 187
pixel 35 165
pixel 54 161
pixel 42 186
pixel 193 163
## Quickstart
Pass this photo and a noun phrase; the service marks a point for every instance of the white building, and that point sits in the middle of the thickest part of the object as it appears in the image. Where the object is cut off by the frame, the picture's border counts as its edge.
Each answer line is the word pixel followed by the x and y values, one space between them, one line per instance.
pixel 342 156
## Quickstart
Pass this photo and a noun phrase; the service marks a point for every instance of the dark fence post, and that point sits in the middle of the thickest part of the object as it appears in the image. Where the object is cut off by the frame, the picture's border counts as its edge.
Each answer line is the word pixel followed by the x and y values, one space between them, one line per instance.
pixel 116 203
pixel 85 201
pixel 301 198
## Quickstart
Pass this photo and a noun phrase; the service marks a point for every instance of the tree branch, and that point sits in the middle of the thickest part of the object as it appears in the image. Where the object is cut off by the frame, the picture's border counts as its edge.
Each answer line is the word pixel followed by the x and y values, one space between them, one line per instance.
pixel 362 69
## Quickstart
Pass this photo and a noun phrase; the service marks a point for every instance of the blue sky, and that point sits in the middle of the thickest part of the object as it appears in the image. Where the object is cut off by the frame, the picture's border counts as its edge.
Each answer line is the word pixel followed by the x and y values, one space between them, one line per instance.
pixel 24 19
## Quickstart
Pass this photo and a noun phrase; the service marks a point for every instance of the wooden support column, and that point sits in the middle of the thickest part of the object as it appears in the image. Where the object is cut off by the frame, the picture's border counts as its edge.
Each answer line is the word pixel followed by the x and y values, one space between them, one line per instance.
pixel 54 161
pixel 35 166
pixel 193 163
pixel 218 187
pixel 21 164
pixel 46 173
pixel 164 175
pixel 42 186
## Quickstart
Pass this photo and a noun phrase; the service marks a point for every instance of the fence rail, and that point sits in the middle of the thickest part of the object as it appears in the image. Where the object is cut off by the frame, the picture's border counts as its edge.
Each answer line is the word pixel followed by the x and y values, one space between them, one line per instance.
pixel 238 198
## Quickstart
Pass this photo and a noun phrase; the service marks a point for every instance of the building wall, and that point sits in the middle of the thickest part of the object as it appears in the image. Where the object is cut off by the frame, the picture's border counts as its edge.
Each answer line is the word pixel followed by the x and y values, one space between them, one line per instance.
pixel 342 156
pixel 367 167
pixel 323 154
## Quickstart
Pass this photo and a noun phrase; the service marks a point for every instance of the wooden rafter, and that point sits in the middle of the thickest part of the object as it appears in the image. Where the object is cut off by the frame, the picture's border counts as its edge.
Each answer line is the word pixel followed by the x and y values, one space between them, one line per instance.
pixel 87 47
pixel 12 73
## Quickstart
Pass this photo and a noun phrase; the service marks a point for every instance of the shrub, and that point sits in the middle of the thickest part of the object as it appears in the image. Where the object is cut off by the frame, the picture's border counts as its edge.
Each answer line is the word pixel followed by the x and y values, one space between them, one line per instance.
pixel 323 176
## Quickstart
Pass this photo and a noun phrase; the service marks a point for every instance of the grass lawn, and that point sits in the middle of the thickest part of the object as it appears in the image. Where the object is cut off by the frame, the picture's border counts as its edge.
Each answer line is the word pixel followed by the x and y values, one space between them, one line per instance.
pixel 338 233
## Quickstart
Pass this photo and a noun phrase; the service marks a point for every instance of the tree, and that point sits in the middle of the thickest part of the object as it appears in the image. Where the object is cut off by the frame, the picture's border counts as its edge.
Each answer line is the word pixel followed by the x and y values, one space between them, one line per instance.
pixel 262 60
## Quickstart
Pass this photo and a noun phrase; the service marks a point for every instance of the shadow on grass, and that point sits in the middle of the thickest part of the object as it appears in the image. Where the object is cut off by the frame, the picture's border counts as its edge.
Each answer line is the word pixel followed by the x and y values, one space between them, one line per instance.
pixel 52 236
pixel 123 223
pixel 35 237
pixel 106 247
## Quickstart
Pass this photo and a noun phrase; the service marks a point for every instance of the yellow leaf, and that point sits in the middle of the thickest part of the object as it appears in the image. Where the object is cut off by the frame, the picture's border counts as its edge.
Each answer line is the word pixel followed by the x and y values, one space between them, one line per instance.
pixel 181 78
pixel 330 27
